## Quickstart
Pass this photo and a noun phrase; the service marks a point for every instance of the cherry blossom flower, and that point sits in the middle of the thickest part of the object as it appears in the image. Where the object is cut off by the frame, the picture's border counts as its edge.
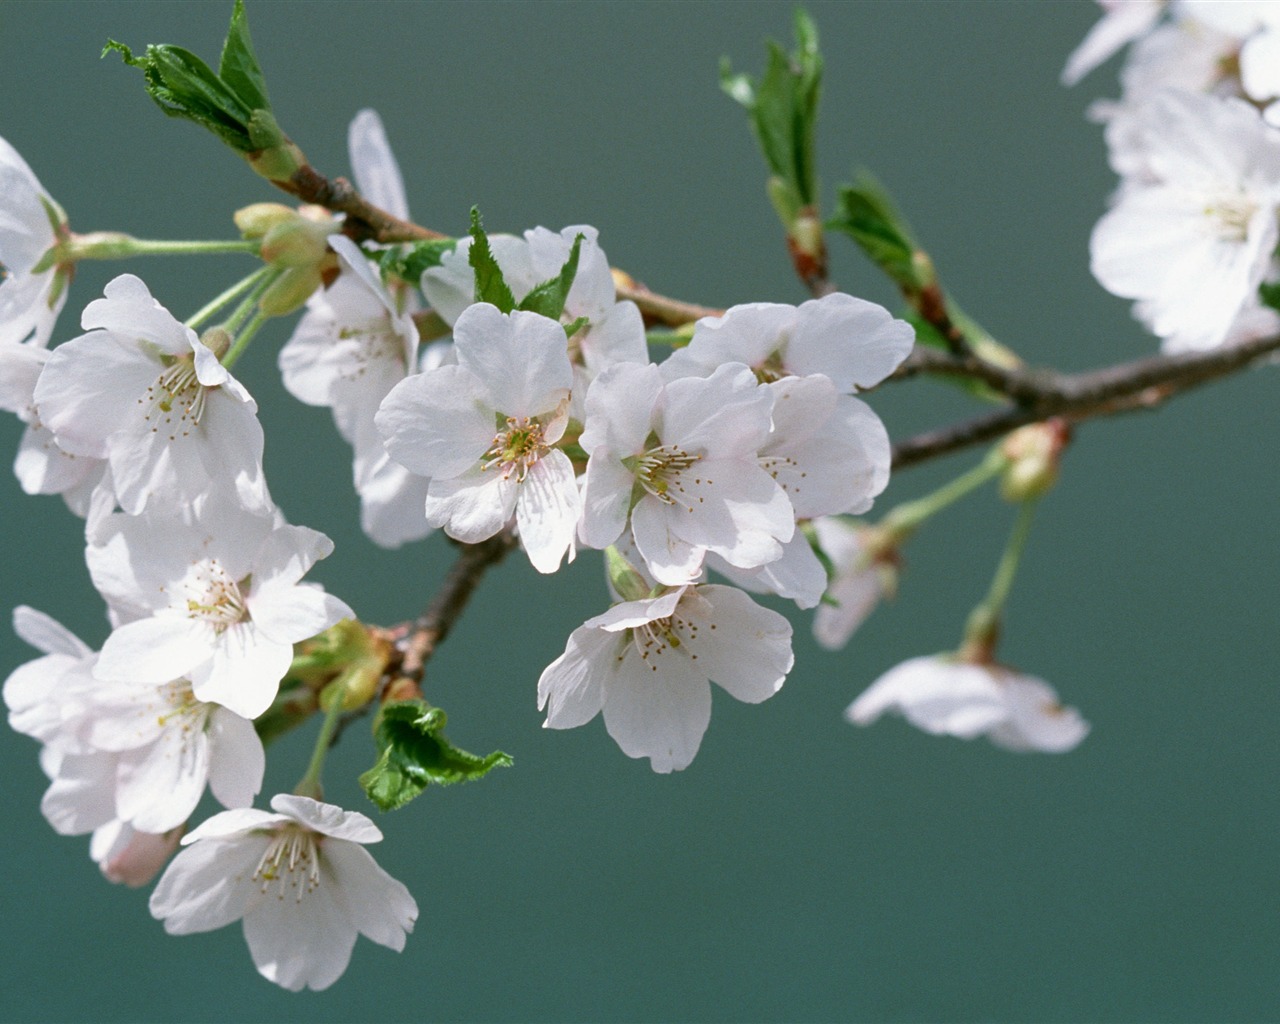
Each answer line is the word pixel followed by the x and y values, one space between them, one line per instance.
pixel 1193 244
pixel 945 696
pixel 512 370
pixel 129 857
pixel 683 460
pixel 299 878
pixel 854 342
pixel 30 222
pixel 143 392
pixel 216 598
pixel 647 665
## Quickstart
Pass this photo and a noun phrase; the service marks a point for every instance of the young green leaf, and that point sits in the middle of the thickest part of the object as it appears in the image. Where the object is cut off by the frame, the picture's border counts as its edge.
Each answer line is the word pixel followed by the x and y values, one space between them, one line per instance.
pixel 866 213
pixel 415 754
pixel 408 262
pixel 549 297
pixel 783 109
pixel 182 85
pixel 491 286
pixel 239 67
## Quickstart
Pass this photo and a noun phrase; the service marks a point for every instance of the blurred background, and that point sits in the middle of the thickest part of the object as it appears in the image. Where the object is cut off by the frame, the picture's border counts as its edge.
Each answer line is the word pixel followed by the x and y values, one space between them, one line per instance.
pixel 800 869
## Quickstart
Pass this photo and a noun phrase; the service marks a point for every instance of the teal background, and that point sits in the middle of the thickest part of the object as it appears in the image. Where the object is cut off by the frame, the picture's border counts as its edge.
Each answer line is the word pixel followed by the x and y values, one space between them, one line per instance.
pixel 800 869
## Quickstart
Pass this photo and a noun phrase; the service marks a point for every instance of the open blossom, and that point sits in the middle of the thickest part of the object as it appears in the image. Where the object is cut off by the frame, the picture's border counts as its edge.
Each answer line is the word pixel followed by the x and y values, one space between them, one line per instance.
pixel 216 598
pixel 300 879
pixel 29 225
pixel 1193 243
pixel 682 460
pixel 854 342
pixel 945 696
pixel 647 665
pixel 513 372
pixel 143 392
pixel 141 754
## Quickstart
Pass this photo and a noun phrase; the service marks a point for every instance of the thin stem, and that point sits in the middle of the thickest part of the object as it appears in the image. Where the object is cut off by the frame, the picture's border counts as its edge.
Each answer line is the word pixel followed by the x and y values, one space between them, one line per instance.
pixel 983 628
pixel 243 339
pixel 1002 582
pixel 309 784
pixel 905 519
pixel 226 298
pixel 116 245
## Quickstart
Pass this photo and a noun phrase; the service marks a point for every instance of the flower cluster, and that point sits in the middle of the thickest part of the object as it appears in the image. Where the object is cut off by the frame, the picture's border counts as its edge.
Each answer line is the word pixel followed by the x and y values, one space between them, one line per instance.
pixel 1192 232
pixel 139 423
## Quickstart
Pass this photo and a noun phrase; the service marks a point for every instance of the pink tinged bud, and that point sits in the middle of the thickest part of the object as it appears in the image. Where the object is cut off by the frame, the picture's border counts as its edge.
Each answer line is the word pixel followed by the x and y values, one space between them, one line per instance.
pixel 140 857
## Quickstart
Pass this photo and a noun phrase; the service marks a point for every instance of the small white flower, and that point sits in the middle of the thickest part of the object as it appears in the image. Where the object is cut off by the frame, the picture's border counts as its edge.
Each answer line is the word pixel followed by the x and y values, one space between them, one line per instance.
pixel 512 373
pixel 29 226
pixel 854 342
pixel 301 881
pixel 216 599
pixel 141 391
pixel 1193 244
pixel 682 459
pixel 647 665
pixel 944 696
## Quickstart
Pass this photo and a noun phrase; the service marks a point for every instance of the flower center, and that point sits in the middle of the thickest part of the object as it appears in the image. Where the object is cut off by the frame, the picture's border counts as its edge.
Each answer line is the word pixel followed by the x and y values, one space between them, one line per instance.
pixel 662 472
pixel 292 860
pixel 174 404
pixel 771 369
pixel 516 449
pixel 1230 216
pixel 378 343
pixel 218 597
pixel 656 638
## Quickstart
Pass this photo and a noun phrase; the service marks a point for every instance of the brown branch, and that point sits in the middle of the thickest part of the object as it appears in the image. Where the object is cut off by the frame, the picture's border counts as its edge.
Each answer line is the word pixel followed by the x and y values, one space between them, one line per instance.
pixel 364 221
pixel 1039 394
pixel 425 633
pixel 659 309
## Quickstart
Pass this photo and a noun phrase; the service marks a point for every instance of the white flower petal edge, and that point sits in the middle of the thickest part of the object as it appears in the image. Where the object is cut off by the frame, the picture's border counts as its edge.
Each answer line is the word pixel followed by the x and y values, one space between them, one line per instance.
pixel 299 879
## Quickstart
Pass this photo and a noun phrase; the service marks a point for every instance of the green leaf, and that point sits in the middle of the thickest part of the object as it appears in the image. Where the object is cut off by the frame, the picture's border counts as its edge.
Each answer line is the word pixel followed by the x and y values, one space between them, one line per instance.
pixel 239 67
pixel 1269 294
pixel 182 85
pixel 866 213
pixel 549 297
pixel 415 754
pixel 783 109
pixel 232 103
pixel 491 286
pixel 408 262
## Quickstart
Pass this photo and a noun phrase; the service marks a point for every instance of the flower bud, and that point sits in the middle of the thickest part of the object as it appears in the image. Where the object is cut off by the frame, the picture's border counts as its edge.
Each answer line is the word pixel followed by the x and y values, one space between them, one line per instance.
pixel 1033 452
pixel 256 219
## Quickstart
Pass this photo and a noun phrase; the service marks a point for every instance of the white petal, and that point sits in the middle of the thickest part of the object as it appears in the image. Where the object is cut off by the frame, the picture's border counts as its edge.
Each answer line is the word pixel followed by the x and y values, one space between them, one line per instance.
pixel 658 712
pixel 571 688
pixel 244 672
pixel 236 759
pixel 302 943
pixel 548 507
pixel 155 650
pixel 744 648
pixel 375 903
pixel 208 884
pixel 373 165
